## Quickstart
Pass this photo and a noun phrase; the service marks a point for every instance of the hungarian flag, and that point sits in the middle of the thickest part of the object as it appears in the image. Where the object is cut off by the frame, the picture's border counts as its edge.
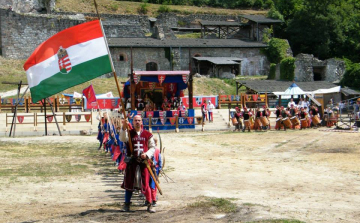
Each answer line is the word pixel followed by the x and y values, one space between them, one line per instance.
pixel 70 57
pixel 89 93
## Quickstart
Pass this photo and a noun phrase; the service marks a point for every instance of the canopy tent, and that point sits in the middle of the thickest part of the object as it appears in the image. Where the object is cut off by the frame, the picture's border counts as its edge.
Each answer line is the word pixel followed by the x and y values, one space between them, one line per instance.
pixel 336 89
pixel 291 91
pixel 180 78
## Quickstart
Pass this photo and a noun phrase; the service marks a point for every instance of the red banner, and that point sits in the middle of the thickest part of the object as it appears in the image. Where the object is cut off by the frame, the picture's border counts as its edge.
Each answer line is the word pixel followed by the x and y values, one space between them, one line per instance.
pixel 108 103
pixel 198 100
pixel 136 79
pixel 185 78
pixel 175 113
pixel 89 93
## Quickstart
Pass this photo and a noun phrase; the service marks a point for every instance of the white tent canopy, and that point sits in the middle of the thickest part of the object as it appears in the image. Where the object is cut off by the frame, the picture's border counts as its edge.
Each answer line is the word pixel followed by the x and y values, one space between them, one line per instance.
pixel 104 96
pixel 327 91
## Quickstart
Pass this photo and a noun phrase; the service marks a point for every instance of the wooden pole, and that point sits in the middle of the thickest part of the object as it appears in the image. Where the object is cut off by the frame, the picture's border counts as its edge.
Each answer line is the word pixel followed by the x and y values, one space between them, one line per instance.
pixel 45 116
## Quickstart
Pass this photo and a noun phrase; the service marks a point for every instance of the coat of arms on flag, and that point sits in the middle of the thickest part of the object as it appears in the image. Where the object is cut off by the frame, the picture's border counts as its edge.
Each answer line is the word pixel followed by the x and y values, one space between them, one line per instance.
pixel 163 120
pixel 64 61
pixel 145 121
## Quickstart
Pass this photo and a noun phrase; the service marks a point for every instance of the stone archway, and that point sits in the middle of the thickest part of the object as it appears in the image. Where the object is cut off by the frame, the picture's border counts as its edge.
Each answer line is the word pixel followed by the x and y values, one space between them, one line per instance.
pixel 151 66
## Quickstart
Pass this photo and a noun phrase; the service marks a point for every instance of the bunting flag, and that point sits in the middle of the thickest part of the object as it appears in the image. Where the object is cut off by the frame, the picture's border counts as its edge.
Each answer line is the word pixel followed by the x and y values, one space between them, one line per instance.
pixel 20 119
pixel 88 117
pixel 172 120
pixel 70 57
pixel 77 118
pixel 89 94
pixel 183 113
pixel 68 118
pixel 175 113
pixel 161 78
pixel 190 120
pixel 181 120
pixel 237 98
pixel 185 78
pixel 50 118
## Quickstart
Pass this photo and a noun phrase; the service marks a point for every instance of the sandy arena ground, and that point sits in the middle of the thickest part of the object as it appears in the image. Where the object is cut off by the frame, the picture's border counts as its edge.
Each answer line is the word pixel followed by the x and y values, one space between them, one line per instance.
pixel 308 175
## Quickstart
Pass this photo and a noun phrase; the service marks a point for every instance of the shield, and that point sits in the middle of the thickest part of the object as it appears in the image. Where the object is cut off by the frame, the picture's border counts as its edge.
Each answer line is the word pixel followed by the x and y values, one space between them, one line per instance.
pixel 172 120
pixel 20 119
pixel 143 114
pixel 77 118
pixel 198 100
pixel 154 121
pixel 185 78
pixel 190 120
pixel 137 78
pixel 237 98
pixel 181 120
pixel 87 117
pixel 64 61
pixel 68 118
pixel 255 97
pixel 146 121
pixel 163 120
pixel 175 113
pixel 50 118
pixel 161 78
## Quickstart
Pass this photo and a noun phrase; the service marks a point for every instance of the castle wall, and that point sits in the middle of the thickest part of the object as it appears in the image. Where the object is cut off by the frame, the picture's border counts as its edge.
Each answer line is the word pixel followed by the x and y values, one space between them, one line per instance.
pixel 254 63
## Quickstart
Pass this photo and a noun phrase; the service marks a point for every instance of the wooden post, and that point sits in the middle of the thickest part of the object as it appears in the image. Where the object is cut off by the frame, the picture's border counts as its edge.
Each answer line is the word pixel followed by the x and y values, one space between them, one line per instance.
pixel 150 129
pixel 177 123
pixel 190 84
pixel 0 103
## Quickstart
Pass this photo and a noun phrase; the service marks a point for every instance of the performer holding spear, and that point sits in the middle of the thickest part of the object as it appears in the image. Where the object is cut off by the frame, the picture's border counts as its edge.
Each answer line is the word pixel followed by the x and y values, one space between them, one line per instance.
pixel 144 144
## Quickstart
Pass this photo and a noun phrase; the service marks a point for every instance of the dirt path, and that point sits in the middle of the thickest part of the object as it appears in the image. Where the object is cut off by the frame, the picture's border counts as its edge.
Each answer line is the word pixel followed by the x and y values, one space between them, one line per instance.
pixel 307 175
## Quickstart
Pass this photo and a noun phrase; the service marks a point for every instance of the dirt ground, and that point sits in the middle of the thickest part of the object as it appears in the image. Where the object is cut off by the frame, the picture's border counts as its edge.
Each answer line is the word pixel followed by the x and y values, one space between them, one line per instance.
pixel 307 175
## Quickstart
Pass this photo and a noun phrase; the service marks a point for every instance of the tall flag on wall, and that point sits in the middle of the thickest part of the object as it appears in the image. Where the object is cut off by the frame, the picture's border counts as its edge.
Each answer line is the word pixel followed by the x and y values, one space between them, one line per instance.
pixel 89 93
pixel 70 57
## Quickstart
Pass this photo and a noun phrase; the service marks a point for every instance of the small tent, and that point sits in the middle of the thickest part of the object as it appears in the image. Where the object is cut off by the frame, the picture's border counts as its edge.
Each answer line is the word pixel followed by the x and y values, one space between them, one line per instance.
pixel 293 90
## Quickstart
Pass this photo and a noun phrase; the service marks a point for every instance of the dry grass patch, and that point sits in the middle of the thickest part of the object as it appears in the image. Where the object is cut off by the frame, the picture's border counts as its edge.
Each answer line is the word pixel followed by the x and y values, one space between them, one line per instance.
pixel 124 7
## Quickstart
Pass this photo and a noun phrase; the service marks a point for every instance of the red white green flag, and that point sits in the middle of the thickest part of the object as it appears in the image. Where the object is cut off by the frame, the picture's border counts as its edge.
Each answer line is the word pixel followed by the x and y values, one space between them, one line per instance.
pixel 70 57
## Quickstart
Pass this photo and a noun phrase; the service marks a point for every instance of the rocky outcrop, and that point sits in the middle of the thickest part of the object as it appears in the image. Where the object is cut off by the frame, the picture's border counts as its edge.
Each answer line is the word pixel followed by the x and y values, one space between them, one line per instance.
pixel 29 6
pixel 310 68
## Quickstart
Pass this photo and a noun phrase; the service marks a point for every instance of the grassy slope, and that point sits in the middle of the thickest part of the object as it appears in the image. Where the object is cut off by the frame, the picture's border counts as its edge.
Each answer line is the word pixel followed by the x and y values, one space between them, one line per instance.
pixel 123 7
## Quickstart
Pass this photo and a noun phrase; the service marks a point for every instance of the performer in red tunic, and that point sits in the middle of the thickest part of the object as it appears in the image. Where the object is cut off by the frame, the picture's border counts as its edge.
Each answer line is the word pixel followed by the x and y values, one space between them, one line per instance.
pixel 143 148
